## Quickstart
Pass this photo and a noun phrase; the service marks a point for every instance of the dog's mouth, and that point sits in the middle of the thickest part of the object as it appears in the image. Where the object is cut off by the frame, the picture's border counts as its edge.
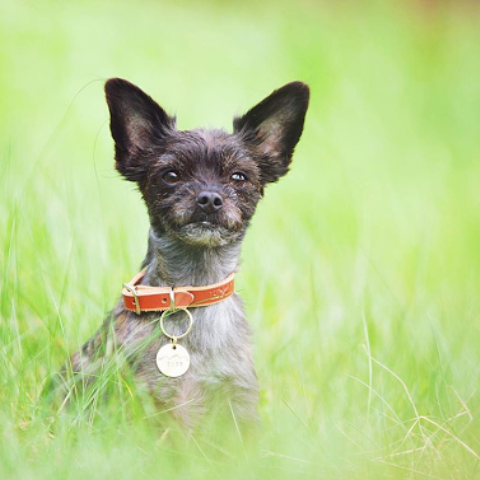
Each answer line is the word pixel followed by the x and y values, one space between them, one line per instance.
pixel 206 233
pixel 205 229
pixel 206 224
pixel 211 222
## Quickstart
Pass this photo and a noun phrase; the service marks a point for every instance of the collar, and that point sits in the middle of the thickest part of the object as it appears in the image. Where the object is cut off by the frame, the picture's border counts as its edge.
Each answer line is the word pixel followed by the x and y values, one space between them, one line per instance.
pixel 143 298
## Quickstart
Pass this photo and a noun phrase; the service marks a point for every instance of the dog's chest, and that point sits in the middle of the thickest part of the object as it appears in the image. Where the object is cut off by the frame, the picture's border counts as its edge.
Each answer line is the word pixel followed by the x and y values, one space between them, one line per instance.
pixel 218 346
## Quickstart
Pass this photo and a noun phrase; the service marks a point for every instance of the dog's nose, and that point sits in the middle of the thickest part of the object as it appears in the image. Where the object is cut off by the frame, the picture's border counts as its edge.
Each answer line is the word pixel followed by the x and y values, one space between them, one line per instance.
pixel 209 202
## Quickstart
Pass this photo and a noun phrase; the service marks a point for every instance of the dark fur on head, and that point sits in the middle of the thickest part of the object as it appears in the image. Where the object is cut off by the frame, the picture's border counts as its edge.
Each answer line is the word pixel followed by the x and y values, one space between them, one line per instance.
pixel 148 146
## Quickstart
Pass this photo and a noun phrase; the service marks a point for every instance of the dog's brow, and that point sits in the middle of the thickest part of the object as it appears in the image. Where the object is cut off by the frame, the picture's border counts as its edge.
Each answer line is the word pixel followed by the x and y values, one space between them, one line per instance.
pixel 167 160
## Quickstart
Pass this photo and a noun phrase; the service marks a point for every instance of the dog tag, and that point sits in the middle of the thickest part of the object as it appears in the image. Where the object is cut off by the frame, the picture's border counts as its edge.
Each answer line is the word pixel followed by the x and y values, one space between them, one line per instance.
pixel 173 360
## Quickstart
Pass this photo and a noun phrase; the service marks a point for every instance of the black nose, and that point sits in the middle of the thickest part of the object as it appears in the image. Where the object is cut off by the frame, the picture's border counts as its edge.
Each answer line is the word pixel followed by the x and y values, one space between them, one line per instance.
pixel 209 202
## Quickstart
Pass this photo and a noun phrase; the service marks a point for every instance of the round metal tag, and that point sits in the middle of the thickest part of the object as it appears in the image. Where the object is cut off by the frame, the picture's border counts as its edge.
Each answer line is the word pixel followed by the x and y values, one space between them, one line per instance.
pixel 173 360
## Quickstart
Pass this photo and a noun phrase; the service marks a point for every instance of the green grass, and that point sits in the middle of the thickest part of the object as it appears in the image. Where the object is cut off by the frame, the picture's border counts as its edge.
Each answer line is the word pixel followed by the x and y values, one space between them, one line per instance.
pixel 360 273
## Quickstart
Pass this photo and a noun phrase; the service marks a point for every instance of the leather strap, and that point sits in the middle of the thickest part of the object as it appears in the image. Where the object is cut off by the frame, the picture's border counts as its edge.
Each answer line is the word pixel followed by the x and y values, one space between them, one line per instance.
pixel 143 298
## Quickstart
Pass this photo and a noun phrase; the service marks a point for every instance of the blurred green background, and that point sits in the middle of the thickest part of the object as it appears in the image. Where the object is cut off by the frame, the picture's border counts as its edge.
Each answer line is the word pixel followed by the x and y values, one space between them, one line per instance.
pixel 372 370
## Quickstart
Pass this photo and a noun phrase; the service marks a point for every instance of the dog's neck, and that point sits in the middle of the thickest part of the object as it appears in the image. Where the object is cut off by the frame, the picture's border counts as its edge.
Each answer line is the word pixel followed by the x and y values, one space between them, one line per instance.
pixel 171 262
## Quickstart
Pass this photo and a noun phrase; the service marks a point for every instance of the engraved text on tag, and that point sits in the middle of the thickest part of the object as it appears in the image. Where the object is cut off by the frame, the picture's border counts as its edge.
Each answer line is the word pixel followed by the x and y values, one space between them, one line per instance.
pixel 173 360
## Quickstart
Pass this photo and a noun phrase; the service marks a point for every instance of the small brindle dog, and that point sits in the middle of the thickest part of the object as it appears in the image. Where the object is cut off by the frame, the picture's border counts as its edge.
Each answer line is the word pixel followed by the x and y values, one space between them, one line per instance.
pixel 201 188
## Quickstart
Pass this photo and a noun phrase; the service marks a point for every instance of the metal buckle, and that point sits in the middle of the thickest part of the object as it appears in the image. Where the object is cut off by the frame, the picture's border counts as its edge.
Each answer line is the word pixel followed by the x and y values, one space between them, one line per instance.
pixel 132 290
pixel 172 299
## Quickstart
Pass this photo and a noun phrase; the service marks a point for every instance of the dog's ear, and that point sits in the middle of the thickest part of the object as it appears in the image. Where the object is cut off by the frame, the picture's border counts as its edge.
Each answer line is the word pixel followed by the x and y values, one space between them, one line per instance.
pixel 273 128
pixel 137 123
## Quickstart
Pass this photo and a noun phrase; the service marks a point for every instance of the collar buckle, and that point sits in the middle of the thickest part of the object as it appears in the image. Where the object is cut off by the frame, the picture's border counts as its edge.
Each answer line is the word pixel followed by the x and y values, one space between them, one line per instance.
pixel 131 288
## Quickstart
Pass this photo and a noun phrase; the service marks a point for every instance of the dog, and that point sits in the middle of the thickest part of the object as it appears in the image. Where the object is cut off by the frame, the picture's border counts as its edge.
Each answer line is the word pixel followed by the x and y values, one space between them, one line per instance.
pixel 201 188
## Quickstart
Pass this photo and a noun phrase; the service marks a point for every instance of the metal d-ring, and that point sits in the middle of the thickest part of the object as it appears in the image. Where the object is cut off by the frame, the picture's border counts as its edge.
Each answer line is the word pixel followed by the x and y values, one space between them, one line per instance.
pixel 176 337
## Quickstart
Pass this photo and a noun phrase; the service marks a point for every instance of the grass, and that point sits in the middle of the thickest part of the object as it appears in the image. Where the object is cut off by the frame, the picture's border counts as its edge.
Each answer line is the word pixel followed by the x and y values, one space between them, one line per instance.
pixel 361 270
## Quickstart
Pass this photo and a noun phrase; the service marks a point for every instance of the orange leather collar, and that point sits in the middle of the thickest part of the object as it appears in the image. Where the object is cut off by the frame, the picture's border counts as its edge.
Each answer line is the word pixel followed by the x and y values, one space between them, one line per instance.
pixel 143 298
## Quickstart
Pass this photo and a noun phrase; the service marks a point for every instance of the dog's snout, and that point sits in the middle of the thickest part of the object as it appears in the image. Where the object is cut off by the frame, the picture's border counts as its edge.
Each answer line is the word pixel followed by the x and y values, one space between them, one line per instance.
pixel 209 202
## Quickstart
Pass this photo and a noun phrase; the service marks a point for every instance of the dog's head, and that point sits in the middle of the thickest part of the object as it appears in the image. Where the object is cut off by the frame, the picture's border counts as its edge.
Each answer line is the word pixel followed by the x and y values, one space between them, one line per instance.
pixel 202 186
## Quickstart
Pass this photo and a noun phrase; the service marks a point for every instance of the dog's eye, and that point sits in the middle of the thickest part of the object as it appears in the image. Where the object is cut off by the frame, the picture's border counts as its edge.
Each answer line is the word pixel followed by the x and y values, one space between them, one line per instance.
pixel 170 177
pixel 238 179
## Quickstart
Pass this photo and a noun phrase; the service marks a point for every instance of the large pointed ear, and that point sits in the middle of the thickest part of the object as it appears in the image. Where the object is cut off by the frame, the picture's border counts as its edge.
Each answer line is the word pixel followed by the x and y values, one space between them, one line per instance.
pixel 138 125
pixel 273 127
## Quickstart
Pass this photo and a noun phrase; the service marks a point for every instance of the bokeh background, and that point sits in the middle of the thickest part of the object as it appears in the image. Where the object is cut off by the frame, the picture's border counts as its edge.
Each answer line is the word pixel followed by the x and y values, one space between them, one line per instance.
pixel 360 273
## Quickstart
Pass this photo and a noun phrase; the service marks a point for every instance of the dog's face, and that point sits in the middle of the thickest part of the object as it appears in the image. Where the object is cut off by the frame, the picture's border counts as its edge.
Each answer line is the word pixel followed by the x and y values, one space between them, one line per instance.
pixel 202 186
